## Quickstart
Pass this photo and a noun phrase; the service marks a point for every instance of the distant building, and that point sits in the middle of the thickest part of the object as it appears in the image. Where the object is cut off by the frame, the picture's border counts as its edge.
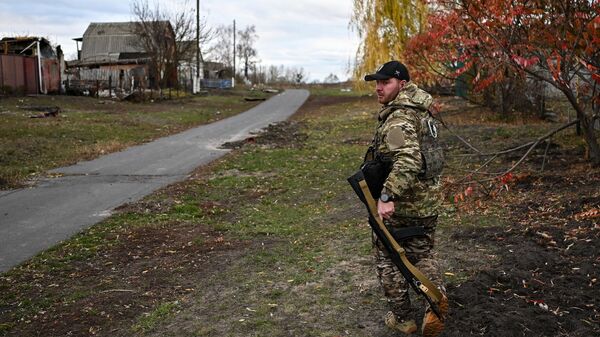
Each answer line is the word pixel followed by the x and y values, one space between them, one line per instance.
pixel 212 74
pixel 216 75
pixel 30 65
pixel 112 55
pixel 187 68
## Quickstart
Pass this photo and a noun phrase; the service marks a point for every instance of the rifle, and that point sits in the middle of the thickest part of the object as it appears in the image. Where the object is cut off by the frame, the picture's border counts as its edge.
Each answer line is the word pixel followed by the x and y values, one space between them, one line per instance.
pixel 419 282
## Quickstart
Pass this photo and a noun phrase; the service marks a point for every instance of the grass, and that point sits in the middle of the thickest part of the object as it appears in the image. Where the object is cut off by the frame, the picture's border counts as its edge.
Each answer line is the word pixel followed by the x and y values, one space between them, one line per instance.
pixel 288 198
pixel 284 197
pixel 345 91
pixel 148 321
pixel 301 261
pixel 88 127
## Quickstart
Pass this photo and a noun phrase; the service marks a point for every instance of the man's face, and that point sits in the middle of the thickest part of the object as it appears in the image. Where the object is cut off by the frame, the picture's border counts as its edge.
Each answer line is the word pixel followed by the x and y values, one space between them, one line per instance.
pixel 388 89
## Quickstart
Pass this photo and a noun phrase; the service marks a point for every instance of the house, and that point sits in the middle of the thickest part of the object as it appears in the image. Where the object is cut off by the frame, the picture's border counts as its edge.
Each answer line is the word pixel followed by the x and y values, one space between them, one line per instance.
pixel 217 75
pixel 211 74
pixel 187 69
pixel 30 65
pixel 113 56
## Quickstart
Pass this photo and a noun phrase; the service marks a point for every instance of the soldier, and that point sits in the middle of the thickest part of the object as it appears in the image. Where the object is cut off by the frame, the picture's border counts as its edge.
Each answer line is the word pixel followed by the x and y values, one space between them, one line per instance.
pixel 406 142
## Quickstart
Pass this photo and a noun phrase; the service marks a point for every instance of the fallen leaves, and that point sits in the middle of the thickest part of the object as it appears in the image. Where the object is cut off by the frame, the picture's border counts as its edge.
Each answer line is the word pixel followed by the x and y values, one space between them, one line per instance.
pixel 546 238
pixel 589 214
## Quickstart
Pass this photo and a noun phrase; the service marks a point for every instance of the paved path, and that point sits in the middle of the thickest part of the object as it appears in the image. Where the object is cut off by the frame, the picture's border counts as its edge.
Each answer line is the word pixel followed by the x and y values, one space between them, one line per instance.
pixel 35 219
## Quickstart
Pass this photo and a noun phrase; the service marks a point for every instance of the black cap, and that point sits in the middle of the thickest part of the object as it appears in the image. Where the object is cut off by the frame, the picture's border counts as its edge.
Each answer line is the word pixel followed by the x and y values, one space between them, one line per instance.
pixel 390 69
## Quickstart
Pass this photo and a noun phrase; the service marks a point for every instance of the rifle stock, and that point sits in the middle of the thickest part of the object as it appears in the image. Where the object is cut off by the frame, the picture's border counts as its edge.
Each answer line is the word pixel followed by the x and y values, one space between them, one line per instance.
pixel 419 282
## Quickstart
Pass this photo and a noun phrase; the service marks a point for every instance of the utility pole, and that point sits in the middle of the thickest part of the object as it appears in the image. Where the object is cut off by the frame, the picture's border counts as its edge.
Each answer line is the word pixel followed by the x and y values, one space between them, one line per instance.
pixel 233 76
pixel 197 84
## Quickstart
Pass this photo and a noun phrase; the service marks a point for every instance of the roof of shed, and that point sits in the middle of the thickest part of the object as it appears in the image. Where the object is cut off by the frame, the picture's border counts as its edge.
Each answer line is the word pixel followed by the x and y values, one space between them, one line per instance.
pixel 25 45
pixel 105 41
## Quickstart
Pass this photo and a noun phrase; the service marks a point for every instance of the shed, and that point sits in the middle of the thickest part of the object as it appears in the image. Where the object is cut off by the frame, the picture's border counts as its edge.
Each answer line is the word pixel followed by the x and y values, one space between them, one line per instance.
pixel 112 55
pixel 29 65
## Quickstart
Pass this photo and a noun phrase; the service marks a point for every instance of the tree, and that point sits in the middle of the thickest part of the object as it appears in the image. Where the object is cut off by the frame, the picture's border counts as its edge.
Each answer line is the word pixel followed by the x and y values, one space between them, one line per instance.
pixel 245 48
pixel 222 48
pixel 384 27
pixel 156 38
pixel 169 38
pixel 298 75
pixel 281 74
pixel 331 78
pixel 553 41
pixel 259 73
pixel 274 74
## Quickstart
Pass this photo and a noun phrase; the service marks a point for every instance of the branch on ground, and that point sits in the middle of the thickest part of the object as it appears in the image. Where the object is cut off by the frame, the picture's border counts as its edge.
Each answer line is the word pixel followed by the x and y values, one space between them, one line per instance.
pixel 495 176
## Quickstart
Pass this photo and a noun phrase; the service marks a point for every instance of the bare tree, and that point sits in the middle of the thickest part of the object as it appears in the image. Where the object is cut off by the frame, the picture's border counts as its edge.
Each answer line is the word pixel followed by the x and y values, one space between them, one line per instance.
pixel 299 75
pixel 331 78
pixel 259 73
pixel 274 74
pixel 288 75
pixel 184 26
pixel 169 38
pixel 221 50
pixel 245 48
pixel 156 38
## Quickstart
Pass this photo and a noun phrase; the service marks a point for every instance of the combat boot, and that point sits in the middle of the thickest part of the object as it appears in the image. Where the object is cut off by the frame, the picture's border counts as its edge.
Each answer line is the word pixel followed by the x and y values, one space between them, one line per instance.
pixel 394 323
pixel 432 325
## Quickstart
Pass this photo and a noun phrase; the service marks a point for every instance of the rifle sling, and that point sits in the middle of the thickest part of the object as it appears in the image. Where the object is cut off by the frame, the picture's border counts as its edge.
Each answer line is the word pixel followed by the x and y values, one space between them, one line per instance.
pixel 425 285
pixel 413 276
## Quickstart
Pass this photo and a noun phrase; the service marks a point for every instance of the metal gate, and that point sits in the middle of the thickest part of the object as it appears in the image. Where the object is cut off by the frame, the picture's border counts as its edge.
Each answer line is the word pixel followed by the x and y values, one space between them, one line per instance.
pixel 18 74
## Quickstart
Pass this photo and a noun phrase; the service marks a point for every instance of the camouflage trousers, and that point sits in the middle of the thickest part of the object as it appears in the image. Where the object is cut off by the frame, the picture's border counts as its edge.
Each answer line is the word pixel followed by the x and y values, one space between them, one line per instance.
pixel 419 253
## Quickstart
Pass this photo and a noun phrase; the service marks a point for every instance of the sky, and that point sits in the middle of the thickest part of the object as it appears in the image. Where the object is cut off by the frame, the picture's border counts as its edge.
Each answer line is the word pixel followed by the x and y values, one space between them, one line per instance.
pixel 313 34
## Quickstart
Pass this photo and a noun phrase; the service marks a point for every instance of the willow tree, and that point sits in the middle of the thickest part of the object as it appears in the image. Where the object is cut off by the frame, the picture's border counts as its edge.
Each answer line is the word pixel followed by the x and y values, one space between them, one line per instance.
pixel 384 27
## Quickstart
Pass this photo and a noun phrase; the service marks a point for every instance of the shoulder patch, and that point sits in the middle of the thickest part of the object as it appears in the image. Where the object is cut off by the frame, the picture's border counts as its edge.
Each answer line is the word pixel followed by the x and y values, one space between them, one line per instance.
pixel 395 138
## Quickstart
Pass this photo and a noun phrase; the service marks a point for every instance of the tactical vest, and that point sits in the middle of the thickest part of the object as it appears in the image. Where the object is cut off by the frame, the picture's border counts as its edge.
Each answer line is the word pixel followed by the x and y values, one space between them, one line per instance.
pixel 376 167
pixel 431 150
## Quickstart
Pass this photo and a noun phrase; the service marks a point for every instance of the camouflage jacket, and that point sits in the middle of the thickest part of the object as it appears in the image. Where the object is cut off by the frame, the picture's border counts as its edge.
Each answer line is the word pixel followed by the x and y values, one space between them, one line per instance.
pixel 397 138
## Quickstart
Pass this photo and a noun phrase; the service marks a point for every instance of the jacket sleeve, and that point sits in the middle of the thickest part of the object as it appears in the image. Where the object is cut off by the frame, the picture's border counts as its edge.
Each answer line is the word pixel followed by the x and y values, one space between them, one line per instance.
pixel 400 141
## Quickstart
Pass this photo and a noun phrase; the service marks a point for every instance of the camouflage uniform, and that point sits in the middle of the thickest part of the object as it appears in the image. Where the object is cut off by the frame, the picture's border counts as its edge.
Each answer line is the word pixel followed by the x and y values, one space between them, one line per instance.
pixel 416 200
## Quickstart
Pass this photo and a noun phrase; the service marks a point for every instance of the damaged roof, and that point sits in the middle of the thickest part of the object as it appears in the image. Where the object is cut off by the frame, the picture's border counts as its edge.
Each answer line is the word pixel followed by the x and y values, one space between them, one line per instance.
pixel 25 45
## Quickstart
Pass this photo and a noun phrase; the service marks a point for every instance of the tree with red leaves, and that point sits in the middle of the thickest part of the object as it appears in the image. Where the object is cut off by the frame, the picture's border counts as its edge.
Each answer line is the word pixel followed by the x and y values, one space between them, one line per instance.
pixel 554 41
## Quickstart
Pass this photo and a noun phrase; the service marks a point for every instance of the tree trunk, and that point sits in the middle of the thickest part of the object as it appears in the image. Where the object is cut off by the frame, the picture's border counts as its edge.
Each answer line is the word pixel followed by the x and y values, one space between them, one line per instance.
pixel 587 128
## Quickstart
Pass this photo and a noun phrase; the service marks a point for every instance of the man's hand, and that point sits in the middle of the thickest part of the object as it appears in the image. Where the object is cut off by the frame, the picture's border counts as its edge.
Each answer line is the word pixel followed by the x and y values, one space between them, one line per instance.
pixel 385 209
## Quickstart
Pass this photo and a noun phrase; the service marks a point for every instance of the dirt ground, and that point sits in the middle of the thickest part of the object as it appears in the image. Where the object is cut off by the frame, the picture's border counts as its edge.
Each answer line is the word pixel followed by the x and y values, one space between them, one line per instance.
pixel 537 274
pixel 534 272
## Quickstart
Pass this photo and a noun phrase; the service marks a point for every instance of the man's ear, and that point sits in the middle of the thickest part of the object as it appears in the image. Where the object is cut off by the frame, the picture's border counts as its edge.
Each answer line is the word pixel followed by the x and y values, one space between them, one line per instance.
pixel 402 83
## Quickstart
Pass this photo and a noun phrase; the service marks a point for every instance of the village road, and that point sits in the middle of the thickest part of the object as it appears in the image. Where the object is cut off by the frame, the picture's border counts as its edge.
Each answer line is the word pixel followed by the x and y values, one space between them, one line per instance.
pixel 35 219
